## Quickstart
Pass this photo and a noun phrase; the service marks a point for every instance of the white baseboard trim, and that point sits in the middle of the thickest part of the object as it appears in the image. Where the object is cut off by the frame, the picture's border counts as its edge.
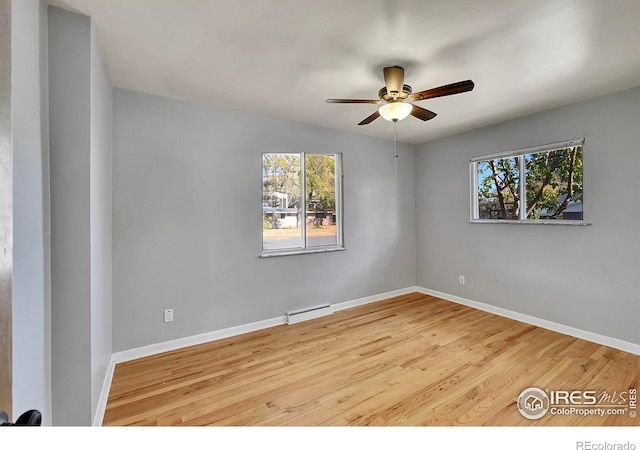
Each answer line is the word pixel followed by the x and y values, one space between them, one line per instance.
pixel 375 298
pixel 619 344
pixel 154 349
pixel 167 346
pixel 104 394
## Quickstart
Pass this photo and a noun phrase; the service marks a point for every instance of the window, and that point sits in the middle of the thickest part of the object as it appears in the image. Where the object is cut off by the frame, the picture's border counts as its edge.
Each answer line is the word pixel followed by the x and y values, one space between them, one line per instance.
pixel 534 185
pixel 301 203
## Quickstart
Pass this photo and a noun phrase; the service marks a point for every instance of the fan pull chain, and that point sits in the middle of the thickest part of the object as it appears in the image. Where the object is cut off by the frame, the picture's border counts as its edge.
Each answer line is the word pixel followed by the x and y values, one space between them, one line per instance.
pixel 395 148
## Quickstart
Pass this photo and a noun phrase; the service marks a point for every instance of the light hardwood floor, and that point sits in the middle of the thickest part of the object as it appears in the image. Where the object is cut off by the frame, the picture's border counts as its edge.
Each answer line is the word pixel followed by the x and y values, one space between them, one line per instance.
pixel 408 360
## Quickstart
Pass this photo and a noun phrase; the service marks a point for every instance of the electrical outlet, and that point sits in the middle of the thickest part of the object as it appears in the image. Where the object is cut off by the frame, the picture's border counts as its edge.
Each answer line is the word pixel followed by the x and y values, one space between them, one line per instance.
pixel 168 315
pixel 461 279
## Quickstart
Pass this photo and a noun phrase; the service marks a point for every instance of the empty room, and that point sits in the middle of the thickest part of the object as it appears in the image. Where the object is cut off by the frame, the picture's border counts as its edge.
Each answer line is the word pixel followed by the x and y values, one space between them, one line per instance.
pixel 313 213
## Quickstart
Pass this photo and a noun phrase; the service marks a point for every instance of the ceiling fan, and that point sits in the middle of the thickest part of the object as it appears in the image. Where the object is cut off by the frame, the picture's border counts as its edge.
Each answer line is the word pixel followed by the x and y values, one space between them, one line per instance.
pixel 396 97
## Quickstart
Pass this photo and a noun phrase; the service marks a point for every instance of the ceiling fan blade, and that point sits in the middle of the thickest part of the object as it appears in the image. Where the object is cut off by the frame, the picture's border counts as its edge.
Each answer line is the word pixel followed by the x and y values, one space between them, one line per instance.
pixel 449 89
pixel 347 100
pixel 421 113
pixel 394 80
pixel 370 119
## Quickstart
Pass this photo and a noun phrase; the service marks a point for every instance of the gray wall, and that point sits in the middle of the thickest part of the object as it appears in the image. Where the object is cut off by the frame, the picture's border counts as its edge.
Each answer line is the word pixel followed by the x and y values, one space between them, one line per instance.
pixel 80 123
pixel 100 212
pixel 584 277
pixel 69 75
pixel 187 220
pixel 31 283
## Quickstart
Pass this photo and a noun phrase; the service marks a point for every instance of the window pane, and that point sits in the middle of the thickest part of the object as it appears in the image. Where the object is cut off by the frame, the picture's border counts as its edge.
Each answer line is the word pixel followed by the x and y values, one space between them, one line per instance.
pixel 281 201
pixel 554 184
pixel 320 174
pixel 498 189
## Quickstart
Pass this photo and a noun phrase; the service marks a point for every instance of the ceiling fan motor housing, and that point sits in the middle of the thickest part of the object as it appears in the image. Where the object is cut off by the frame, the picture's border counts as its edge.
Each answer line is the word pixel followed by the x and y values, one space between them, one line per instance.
pixel 388 97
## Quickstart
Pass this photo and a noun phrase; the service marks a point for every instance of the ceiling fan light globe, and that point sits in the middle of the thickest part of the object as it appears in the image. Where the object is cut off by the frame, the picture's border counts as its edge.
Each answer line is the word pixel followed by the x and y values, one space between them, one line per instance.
pixel 395 111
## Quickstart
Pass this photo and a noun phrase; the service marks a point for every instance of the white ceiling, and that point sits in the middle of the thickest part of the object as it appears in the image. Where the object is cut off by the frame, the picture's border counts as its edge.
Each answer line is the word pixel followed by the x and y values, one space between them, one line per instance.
pixel 283 58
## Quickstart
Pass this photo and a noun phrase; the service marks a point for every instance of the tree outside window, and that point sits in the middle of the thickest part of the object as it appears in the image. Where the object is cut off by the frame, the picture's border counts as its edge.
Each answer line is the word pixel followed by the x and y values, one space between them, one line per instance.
pixel 539 185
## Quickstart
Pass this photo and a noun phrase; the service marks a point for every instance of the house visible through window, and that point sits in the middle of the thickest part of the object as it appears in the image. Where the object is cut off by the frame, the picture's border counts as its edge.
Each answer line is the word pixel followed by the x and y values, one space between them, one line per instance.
pixel 301 203
pixel 536 184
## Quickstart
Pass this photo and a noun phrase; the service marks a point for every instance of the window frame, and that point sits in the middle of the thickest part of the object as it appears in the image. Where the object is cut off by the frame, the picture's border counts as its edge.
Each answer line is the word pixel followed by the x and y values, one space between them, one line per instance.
pixel 305 249
pixel 474 211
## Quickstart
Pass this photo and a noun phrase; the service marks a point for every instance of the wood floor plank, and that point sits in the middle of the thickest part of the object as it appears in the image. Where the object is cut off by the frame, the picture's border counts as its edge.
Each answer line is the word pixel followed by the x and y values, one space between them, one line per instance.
pixel 409 360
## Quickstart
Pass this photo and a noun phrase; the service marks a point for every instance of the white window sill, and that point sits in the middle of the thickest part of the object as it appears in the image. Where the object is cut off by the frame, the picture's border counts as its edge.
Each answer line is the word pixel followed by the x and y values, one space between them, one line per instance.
pixel 579 223
pixel 269 254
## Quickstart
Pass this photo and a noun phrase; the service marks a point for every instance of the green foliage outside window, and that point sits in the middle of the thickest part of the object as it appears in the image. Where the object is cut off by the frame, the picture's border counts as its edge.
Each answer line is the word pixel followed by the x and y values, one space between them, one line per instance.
pixel 552 184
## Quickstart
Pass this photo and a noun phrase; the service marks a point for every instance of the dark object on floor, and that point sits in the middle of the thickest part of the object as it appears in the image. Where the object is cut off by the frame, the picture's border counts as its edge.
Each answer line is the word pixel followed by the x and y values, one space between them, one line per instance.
pixel 31 418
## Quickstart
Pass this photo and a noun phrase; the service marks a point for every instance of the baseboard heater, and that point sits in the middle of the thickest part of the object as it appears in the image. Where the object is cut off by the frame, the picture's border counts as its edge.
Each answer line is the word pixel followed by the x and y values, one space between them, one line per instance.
pixel 309 313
